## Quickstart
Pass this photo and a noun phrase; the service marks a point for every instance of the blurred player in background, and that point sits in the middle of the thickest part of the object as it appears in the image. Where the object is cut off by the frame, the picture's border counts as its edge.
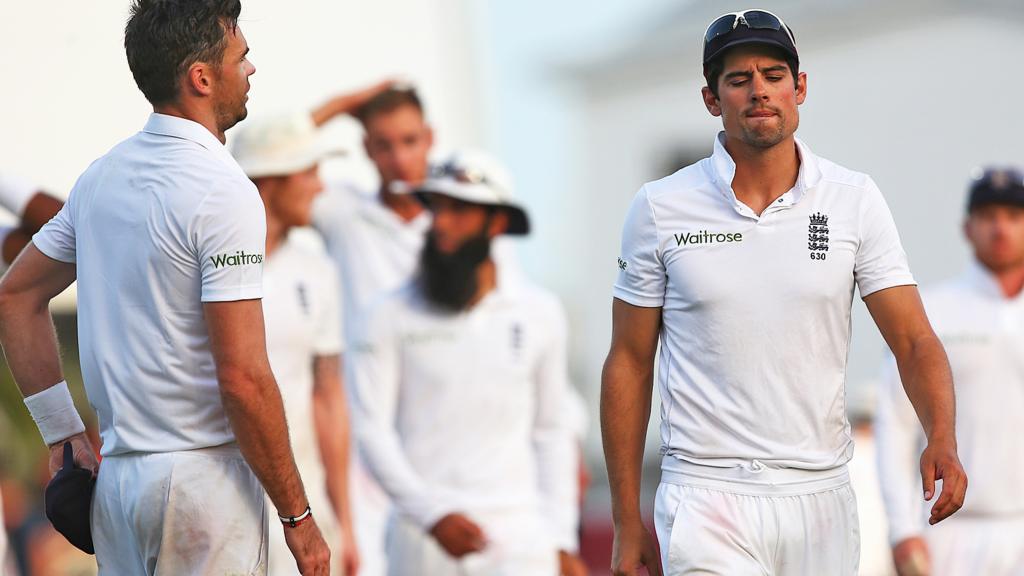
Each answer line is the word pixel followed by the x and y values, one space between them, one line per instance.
pixel 375 238
pixel 301 298
pixel 460 381
pixel 31 206
pixel 979 316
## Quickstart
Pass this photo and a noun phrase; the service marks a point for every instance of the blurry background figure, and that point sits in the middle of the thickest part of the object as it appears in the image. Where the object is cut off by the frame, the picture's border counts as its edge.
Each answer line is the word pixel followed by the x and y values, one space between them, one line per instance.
pixel 374 237
pixel 460 382
pixel 980 318
pixel 282 156
pixel 31 206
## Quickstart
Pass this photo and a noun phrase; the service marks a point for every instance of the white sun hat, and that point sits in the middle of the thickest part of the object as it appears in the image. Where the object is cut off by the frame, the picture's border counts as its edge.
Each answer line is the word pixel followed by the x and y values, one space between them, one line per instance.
pixel 474 177
pixel 280 145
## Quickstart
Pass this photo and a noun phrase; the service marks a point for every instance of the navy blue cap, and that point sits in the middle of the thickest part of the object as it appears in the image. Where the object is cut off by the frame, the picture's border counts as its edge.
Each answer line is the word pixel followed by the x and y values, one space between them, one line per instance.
pixel 69 502
pixel 996 186
pixel 748 27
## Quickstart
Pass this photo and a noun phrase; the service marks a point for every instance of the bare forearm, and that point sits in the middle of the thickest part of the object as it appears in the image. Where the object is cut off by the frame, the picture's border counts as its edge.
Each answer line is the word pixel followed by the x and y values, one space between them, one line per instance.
pixel 256 414
pixel 30 345
pixel 625 411
pixel 928 381
pixel 330 416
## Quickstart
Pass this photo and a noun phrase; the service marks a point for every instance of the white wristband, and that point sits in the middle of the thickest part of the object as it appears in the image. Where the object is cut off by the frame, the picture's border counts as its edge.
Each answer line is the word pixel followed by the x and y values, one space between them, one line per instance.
pixel 55 413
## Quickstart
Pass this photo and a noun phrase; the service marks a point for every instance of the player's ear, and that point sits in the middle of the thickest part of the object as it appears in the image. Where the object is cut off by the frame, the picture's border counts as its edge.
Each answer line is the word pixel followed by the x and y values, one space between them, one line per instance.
pixel 801 87
pixel 711 101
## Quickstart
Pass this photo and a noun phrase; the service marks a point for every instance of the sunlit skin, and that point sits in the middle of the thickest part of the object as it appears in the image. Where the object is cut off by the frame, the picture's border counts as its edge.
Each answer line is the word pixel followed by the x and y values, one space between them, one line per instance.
pixel 398 143
pixel 214 94
pixel 232 77
pixel 758 98
pixel 456 222
pixel 996 232
pixel 289 202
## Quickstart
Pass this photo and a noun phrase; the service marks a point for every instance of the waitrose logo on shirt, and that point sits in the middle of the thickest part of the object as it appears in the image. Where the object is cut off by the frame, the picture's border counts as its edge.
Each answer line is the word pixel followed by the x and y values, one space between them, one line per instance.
pixel 239 258
pixel 705 237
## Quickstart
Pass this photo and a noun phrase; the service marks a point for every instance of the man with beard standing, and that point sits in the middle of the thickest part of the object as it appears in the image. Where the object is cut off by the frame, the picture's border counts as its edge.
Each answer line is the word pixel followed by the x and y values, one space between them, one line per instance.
pixel 459 383
pixel 744 265
pixel 979 316
pixel 165 236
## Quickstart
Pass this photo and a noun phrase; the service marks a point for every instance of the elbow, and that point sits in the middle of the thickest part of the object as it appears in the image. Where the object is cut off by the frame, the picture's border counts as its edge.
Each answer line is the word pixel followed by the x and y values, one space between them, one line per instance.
pixel 239 383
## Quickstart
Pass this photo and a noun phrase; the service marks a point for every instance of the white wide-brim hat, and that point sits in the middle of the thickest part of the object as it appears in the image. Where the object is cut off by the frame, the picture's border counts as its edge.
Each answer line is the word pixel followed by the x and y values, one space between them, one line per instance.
pixel 280 145
pixel 474 177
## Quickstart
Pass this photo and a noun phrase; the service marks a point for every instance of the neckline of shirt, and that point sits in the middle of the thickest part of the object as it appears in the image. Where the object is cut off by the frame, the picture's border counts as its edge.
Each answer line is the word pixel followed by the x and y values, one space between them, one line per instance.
pixel 723 171
pixel 177 127
pixel 982 279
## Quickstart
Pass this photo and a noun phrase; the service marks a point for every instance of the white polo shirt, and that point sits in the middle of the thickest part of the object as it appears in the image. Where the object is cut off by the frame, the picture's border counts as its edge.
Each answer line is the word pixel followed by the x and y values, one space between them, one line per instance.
pixel 300 309
pixel 375 250
pixel 160 224
pixel 983 334
pixel 756 309
pixel 464 412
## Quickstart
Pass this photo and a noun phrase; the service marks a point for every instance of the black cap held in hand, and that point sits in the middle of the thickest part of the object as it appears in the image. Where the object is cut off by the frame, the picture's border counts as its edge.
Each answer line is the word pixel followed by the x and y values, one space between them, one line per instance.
pixel 69 500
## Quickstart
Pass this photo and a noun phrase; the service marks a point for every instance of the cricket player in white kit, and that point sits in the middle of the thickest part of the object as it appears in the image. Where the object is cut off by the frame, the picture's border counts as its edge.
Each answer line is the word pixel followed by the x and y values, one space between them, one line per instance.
pixel 375 238
pixel 459 382
pixel 743 266
pixel 282 155
pixel 979 316
pixel 165 236
pixel 32 208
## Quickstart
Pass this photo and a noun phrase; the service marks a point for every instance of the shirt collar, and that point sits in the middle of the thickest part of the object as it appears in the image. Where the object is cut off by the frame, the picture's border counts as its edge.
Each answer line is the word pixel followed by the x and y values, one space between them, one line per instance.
pixel 177 127
pixel 984 281
pixel 724 169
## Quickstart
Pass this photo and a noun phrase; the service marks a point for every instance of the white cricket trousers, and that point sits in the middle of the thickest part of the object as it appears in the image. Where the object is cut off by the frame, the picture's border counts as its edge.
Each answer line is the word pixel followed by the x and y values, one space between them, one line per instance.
pixel 199 512
pixel 518 545
pixel 977 546
pixel 756 521
pixel 371 509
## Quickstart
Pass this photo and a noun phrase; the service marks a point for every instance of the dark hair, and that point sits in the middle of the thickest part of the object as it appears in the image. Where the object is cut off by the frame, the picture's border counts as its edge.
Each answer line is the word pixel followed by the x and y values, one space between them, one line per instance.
pixel 164 37
pixel 388 101
pixel 713 69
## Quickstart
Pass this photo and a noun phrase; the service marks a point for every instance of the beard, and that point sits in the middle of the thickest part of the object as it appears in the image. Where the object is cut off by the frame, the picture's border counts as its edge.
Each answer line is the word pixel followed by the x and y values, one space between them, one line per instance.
pixel 449 281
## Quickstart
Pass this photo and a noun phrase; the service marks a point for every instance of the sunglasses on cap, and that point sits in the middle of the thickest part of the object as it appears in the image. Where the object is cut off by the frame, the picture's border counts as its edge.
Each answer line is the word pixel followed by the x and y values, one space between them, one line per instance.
pixel 753 19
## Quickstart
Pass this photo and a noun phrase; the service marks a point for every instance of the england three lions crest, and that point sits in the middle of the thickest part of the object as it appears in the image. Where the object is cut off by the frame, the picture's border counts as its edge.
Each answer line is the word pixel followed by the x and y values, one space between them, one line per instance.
pixel 817 236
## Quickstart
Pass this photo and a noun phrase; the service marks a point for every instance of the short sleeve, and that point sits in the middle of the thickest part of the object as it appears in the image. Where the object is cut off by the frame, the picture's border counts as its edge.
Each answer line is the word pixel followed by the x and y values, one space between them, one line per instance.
pixel 56 238
pixel 328 329
pixel 641 280
pixel 15 193
pixel 880 262
pixel 229 233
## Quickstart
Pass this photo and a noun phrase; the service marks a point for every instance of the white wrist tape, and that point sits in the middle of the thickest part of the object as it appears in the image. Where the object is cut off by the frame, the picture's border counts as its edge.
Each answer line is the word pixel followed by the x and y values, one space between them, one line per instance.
pixel 15 193
pixel 55 413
